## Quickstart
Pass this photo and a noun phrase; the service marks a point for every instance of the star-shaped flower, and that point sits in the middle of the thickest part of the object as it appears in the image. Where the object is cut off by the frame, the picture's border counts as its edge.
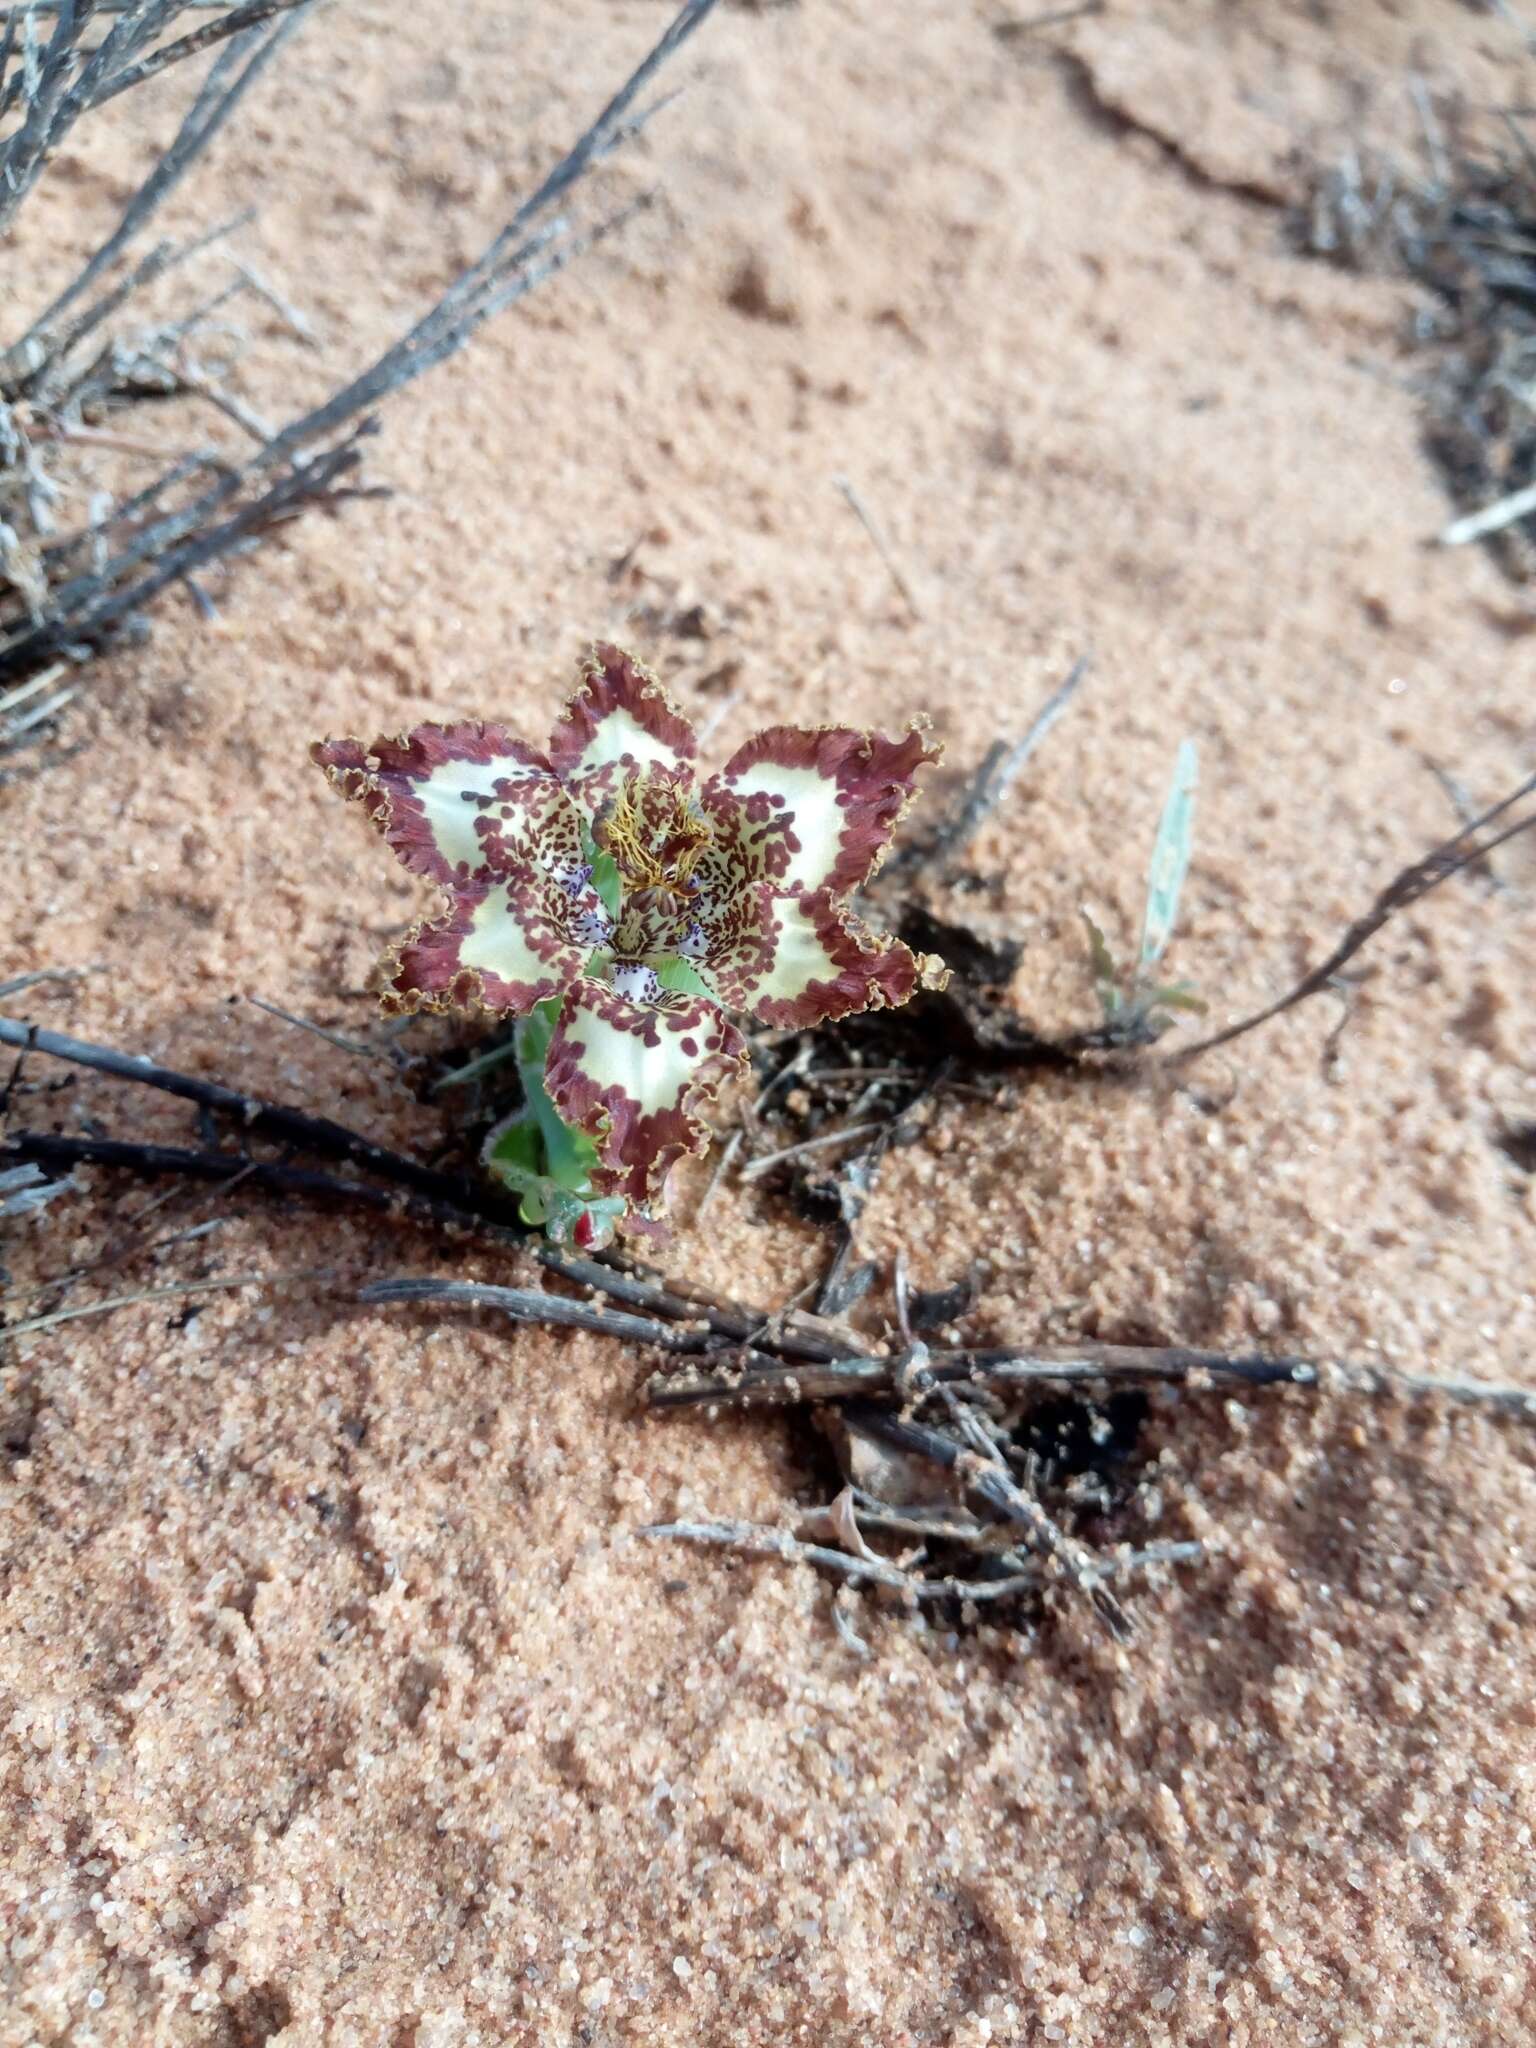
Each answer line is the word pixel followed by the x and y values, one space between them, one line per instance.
pixel 602 873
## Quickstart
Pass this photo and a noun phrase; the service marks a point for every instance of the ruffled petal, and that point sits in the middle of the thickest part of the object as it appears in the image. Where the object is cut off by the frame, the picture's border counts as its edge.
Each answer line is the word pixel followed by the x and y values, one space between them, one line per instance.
pixel 814 809
pixel 799 960
pixel 500 949
pixel 620 716
pixel 452 801
pixel 634 1078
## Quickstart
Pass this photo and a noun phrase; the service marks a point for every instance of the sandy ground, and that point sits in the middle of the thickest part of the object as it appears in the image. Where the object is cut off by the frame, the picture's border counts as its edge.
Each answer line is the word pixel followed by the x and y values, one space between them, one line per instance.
pixel 340 1705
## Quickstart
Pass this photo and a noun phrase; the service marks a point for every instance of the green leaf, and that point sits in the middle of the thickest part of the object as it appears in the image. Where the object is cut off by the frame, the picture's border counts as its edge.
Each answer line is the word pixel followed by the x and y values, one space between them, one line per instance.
pixel 516 1154
pixel 1180 996
pixel 1170 857
pixel 682 977
pixel 1106 976
pixel 514 1145
pixel 483 1063
pixel 566 1157
pixel 533 1033
pixel 607 882
pixel 569 1155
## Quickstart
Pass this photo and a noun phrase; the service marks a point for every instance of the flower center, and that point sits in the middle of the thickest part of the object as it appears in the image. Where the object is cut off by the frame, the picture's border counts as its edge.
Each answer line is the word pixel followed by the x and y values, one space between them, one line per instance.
pixel 655 830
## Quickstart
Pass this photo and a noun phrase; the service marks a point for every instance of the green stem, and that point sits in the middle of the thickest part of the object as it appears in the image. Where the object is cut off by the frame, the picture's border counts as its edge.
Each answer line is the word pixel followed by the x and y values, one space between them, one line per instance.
pixel 544 1158
pixel 569 1153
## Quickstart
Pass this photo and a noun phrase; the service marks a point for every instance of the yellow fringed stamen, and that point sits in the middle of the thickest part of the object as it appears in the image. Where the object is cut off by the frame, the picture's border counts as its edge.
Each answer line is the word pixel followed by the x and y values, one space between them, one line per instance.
pixel 651 852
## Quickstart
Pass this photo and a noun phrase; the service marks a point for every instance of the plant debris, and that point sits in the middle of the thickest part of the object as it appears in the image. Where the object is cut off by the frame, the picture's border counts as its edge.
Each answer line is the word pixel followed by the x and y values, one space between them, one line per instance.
pixel 1467 849
pixel 1463 225
pixel 967 1478
pixel 73 384
pixel 954 1450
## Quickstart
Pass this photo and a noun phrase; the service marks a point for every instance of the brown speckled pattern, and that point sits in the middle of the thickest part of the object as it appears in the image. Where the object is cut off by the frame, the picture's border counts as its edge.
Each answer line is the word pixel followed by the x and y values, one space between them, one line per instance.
pixel 340 1704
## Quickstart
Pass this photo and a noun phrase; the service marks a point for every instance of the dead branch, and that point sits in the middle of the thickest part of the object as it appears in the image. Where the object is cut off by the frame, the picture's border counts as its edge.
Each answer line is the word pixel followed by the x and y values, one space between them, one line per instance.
pixel 1464 849
pixel 274 1120
pixel 758 1539
pixel 1002 1371
pixel 1457 222
pixel 36 365
pixel 763 1361
pixel 986 1479
pixel 62 1153
pixel 765 1385
pixel 528 1305
pixel 912 1404
pixel 239 19
pixel 448 1199
pixel 231 76
pixel 55 85
pixel 79 606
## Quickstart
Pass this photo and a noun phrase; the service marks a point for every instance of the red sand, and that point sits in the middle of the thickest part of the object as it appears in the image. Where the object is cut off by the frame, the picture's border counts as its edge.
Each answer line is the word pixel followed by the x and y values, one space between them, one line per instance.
pixel 340 1703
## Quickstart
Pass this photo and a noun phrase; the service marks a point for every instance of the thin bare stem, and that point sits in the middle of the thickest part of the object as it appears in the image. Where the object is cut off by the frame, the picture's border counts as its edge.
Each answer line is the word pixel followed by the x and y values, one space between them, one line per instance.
pixel 1000 1371
pixel 1464 849
pixel 63 975
pixel 1004 765
pixel 352 1045
pixel 731 1384
pixel 529 1305
pixel 723 1165
pixel 881 545
pixel 251 15
pixel 758 1539
pixel 1056 17
pixel 758 1167
pixel 32 1325
pixel 1490 519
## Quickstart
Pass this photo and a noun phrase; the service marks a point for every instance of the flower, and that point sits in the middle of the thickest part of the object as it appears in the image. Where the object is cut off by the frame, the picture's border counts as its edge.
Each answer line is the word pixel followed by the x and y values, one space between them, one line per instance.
pixel 601 873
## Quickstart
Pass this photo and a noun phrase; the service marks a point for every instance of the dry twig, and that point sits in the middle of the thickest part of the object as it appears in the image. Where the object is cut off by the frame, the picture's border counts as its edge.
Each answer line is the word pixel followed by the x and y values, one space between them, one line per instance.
pixel 980 1467
pixel 83 591
pixel 760 1539
pixel 342 1044
pixel 1015 29
pixel 745 1357
pixel 1460 225
pixel 32 1326
pixel 449 1200
pixel 878 541
pixel 528 1305
pixel 991 785
pixel 1464 849
pixel 1010 1372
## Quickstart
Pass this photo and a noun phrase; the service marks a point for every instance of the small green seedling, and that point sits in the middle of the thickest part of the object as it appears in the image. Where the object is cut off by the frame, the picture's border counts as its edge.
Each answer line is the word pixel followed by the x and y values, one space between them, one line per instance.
pixel 1138 1007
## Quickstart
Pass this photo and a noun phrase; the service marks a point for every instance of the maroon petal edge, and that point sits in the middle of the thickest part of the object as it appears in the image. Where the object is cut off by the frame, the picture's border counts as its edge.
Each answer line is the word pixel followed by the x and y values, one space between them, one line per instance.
pixel 612 680
pixel 381 777
pixel 638 1148
pixel 875 782
pixel 425 970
